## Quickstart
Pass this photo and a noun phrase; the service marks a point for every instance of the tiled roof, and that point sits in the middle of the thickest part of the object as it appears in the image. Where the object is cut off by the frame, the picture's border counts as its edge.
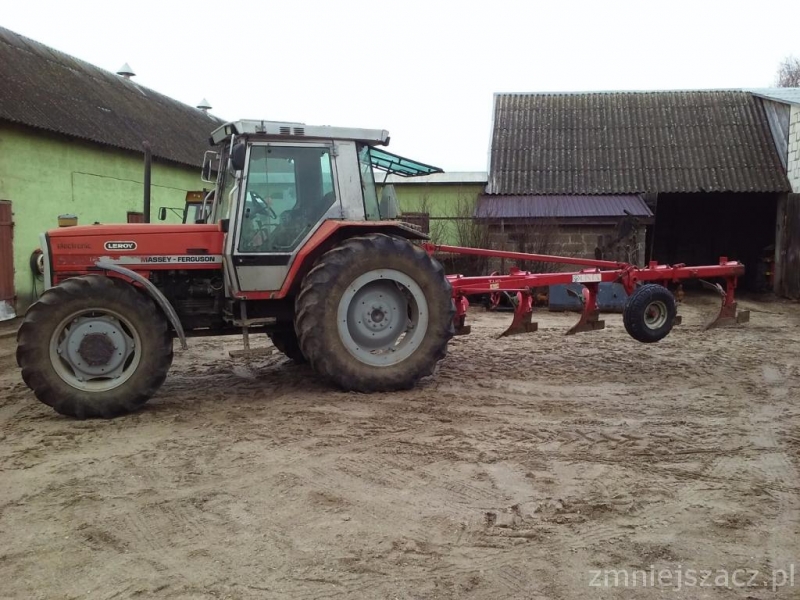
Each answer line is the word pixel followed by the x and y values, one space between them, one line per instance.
pixel 561 207
pixel 46 89
pixel 632 142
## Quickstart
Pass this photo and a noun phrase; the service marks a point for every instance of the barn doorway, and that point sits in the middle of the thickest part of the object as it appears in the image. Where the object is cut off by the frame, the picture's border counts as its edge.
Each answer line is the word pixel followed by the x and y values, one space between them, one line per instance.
pixel 698 228
pixel 7 294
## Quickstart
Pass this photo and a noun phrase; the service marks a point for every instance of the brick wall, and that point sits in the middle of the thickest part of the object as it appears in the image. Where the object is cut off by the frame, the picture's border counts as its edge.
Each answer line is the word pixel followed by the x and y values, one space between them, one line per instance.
pixel 793 163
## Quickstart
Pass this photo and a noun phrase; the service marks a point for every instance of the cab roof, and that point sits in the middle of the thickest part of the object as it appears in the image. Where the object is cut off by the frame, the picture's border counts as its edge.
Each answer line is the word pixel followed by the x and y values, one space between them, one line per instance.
pixel 279 129
pixel 380 159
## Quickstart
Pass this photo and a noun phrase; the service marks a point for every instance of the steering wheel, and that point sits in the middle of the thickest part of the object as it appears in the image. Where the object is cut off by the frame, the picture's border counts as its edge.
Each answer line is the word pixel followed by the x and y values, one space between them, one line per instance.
pixel 260 205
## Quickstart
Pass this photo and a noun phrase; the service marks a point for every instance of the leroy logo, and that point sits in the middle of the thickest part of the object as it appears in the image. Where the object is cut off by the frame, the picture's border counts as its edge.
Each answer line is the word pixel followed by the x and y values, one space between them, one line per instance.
pixel 120 246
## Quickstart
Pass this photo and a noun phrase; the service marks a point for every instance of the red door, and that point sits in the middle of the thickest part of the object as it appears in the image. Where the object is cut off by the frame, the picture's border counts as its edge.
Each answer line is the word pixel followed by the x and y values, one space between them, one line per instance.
pixel 6 258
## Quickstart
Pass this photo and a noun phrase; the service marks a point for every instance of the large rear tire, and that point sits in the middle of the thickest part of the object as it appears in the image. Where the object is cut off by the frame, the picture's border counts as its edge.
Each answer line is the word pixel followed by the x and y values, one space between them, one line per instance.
pixel 375 314
pixel 94 346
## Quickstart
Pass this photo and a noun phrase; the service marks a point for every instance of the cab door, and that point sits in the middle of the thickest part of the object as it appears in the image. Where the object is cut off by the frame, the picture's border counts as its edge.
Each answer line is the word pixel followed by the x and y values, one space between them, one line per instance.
pixel 289 190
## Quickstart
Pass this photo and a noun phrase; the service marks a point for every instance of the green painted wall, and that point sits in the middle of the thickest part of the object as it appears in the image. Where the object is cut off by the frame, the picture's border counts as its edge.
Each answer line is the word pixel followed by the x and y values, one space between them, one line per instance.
pixel 45 175
pixel 444 202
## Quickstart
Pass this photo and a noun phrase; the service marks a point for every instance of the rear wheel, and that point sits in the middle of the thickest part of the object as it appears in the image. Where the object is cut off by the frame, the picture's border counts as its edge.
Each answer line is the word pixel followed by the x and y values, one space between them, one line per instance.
pixel 286 341
pixel 375 314
pixel 649 313
pixel 94 346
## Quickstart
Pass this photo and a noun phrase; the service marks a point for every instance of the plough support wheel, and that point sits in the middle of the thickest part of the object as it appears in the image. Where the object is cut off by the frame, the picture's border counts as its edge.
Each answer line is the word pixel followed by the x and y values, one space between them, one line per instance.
pixel 649 313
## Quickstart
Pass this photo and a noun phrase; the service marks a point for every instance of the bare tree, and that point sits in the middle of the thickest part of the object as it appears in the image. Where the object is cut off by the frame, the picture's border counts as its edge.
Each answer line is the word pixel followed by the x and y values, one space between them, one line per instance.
pixel 437 227
pixel 789 72
pixel 473 233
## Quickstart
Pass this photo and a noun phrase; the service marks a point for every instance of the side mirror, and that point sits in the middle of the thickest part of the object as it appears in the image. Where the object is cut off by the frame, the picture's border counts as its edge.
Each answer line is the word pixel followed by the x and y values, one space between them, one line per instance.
pixel 162 213
pixel 237 156
pixel 210 166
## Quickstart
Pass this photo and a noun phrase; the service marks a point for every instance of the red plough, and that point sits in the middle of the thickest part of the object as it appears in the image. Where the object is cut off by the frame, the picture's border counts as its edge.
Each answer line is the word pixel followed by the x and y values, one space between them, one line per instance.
pixel 650 311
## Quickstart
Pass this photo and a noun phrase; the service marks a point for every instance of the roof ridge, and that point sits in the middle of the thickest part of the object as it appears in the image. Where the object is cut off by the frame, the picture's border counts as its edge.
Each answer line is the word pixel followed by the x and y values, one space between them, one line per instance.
pixel 608 92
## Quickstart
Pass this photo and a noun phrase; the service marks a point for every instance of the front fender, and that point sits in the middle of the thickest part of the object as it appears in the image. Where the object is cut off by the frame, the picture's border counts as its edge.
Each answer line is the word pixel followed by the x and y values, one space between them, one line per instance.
pixel 155 294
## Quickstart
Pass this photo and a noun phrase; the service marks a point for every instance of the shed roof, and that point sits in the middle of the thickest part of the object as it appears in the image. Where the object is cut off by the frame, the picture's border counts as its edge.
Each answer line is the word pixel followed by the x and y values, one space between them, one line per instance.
pixel 632 142
pixel 47 89
pixel 450 178
pixel 785 95
pixel 561 207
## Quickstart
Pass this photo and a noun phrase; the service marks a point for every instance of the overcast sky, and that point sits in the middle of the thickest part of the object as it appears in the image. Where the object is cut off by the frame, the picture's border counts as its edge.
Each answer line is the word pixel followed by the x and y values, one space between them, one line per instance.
pixel 426 71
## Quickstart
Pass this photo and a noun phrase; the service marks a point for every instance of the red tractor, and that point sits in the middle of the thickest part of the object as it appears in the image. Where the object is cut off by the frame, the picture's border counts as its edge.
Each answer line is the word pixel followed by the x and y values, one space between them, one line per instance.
pixel 297 245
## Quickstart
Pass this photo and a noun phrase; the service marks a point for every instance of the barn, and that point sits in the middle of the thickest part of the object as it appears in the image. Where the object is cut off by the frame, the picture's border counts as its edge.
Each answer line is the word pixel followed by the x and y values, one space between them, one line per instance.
pixel 705 163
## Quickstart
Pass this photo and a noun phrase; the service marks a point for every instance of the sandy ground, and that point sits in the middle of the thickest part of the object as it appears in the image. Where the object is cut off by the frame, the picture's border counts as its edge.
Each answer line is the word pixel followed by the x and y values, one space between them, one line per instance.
pixel 527 468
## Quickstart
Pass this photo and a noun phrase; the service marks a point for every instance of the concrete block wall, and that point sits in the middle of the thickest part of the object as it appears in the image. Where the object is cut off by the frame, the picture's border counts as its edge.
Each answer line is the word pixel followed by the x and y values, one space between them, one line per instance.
pixel 793 162
pixel 581 241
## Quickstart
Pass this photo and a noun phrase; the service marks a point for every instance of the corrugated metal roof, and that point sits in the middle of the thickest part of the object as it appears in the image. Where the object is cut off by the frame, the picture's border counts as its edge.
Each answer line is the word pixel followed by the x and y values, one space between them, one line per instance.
pixel 612 143
pixel 787 95
pixel 50 90
pixel 561 207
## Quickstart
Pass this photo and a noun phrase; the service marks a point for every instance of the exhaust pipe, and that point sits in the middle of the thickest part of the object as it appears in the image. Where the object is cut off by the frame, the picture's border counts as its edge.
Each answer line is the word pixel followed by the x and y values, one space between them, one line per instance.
pixel 148 159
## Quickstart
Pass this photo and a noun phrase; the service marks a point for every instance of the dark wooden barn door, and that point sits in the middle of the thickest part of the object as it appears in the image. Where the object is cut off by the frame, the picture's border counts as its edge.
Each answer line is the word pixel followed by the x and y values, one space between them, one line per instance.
pixel 6 254
pixel 790 275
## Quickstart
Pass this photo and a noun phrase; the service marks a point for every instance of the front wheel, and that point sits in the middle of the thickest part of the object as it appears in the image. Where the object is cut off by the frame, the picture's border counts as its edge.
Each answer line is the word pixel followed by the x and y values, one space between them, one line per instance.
pixel 375 314
pixel 286 341
pixel 94 346
pixel 649 313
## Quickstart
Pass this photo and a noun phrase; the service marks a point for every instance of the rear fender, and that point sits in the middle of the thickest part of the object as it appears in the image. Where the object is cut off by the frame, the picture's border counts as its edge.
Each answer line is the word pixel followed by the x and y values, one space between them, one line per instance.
pixel 332 233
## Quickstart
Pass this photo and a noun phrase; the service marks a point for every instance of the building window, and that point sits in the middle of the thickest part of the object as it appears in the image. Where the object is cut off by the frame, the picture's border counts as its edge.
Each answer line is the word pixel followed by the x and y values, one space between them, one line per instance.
pixel 135 217
pixel 418 219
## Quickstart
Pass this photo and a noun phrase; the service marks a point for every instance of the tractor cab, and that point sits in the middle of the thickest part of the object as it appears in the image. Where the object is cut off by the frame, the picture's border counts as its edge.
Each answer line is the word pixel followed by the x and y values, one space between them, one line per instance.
pixel 278 183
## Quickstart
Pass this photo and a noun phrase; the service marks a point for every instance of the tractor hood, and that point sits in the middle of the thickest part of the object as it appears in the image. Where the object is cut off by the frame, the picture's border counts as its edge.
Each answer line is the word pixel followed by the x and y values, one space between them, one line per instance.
pixel 71 251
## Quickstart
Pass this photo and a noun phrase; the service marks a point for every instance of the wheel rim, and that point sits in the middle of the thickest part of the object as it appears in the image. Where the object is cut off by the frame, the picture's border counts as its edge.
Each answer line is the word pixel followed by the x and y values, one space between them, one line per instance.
pixel 95 350
pixel 382 317
pixel 655 315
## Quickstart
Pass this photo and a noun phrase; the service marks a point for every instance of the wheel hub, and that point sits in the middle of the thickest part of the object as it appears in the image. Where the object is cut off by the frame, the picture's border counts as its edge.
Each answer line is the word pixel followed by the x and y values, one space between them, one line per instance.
pixel 382 317
pixel 655 315
pixel 378 317
pixel 94 347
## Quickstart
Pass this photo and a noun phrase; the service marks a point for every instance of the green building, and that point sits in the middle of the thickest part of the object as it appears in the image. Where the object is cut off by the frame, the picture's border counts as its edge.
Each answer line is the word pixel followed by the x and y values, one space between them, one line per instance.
pixel 443 204
pixel 71 142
